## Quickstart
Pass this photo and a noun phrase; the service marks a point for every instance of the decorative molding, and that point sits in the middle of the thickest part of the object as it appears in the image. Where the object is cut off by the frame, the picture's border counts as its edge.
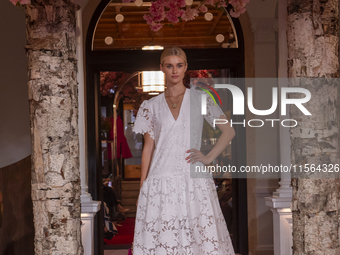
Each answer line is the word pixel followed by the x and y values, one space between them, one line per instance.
pixel 87 232
pixel 282 221
pixel 87 204
pixel 89 208
pixel 278 202
pixel 285 190
pixel 264 29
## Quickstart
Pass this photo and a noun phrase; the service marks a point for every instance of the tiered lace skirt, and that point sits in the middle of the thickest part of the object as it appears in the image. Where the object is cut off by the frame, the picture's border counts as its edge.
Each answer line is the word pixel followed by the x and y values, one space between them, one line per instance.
pixel 179 215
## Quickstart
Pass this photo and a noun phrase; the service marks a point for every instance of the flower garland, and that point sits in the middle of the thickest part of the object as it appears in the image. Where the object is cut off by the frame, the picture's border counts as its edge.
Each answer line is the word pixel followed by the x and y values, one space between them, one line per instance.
pixel 175 13
pixel 21 2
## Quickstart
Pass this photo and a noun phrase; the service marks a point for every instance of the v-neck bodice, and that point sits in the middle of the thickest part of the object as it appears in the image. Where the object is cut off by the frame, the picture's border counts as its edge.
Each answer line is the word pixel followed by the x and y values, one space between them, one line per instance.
pixel 174 137
pixel 180 109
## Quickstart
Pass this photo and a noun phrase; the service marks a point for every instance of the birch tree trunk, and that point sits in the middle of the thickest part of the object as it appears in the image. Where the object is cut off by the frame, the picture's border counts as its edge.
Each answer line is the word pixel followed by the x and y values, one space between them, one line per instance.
pixel 53 98
pixel 313 43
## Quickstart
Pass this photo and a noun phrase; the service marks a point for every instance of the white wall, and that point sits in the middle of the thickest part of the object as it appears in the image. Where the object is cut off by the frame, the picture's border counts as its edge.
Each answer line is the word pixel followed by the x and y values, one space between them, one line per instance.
pixel 15 140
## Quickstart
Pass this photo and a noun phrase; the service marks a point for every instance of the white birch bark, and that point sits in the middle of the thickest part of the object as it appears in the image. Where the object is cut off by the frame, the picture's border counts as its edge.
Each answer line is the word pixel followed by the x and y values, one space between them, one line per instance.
pixel 53 98
pixel 313 43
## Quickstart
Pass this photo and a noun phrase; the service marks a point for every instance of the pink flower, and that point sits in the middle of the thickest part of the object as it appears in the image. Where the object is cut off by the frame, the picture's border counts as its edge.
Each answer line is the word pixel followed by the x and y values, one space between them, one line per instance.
pixel 203 9
pixel 175 4
pixel 163 2
pixel 181 3
pixel 157 11
pixel 156 26
pixel 171 16
pixel 222 3
pixel 153 25
pixel 237 13
pixel 234 2
pixel 234 14
pixel 238 7
pixel 190 14
pixel 243 10
pixel 22 2
pixel 211 2
pixel 180 12
pixel 148 19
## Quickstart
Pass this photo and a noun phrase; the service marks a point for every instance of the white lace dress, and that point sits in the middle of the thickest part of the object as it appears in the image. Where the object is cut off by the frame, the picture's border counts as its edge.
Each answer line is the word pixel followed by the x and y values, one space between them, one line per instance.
pixel 177 214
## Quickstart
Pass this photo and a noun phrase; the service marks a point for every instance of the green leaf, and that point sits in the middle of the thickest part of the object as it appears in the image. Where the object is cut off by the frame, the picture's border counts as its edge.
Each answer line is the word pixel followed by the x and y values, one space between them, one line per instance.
pixel 170 25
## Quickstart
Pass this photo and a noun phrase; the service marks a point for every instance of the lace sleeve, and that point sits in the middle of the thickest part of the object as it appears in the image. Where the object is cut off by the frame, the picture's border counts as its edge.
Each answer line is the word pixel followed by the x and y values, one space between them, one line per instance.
pixel 213 111
pixel 143 123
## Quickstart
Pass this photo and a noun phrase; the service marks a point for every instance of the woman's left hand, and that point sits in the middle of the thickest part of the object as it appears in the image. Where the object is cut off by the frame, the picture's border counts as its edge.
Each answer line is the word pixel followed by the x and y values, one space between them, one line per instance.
pixel 196 155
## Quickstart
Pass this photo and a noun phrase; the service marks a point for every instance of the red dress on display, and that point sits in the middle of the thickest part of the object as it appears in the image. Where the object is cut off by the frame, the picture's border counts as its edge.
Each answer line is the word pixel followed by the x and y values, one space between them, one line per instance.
pixel 121 141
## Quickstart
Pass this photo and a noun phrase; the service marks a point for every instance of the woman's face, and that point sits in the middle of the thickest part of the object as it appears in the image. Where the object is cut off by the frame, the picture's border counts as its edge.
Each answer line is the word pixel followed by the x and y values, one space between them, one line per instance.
pixel 174 69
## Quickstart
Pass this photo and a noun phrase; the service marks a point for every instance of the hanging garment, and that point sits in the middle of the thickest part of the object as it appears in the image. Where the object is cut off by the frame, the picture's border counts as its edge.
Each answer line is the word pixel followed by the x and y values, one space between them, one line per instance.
pixel 122 145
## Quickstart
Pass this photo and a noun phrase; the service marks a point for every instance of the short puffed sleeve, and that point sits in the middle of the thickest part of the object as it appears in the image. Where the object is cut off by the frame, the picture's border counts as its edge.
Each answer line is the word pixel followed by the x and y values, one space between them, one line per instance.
pixel 213 111
pixel 143 123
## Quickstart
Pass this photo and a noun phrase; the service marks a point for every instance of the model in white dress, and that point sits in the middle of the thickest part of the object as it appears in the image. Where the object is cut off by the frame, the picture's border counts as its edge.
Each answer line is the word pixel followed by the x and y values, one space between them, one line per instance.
pixel 178 214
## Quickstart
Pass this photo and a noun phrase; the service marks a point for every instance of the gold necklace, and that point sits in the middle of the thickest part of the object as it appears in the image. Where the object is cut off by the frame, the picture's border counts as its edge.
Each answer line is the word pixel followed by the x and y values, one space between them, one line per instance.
pixel 175 105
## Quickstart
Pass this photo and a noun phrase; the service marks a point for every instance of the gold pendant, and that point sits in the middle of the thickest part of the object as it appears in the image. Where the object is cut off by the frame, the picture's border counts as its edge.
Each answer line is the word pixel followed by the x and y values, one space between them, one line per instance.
pixel 174 105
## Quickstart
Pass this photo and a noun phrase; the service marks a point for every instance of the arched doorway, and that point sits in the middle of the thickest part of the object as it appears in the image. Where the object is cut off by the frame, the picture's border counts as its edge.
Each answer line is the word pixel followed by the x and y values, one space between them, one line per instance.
pixel 126 55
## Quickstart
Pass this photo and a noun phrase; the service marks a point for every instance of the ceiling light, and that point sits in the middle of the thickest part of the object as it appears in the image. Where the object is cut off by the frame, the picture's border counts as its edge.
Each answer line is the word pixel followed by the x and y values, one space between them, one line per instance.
pixel 208 16
pixel 153 47
pixel 139 3
pixel 220 38
pixel 108 40
pixel 119 18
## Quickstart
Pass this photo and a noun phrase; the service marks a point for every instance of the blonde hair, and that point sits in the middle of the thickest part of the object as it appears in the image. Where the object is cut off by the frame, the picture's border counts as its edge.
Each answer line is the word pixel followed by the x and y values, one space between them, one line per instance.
pixel 173 51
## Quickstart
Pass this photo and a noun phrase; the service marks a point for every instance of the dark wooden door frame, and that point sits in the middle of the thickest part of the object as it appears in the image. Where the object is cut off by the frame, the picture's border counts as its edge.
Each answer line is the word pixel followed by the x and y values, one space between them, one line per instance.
pixel 138 60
